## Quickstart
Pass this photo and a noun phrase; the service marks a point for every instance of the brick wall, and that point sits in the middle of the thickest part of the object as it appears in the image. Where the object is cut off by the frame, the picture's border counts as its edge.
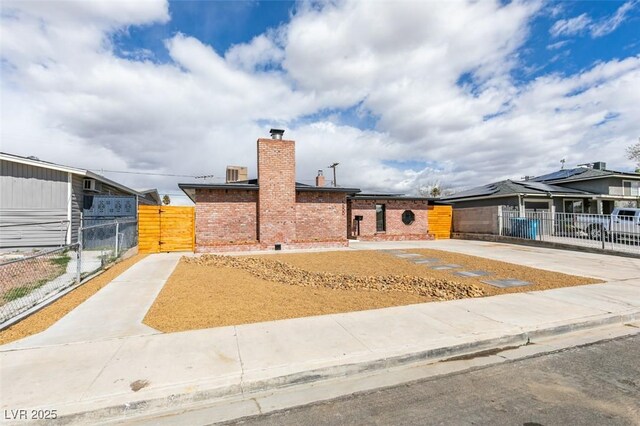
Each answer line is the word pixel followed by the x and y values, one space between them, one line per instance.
pixel 225 216
pixel 277 196
pixel 396 230
pixel 321 216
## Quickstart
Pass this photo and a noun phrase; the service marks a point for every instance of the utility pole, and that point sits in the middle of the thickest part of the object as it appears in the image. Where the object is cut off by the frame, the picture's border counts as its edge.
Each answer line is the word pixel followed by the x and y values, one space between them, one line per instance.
pixel 333 166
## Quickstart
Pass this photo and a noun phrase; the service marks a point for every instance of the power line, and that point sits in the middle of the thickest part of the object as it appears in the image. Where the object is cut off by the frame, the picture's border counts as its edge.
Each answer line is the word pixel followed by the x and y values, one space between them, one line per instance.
pixel 150 174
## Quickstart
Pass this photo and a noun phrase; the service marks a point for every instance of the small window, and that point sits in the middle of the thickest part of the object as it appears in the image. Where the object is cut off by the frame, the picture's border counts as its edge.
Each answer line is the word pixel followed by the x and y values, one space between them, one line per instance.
pixel 408 217
pixel 573 206
pixel 381 220
pixel 630 188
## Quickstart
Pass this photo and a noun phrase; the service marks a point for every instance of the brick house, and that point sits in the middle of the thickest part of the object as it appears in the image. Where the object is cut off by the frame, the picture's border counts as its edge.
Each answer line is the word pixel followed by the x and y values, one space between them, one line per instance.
pixel 276 212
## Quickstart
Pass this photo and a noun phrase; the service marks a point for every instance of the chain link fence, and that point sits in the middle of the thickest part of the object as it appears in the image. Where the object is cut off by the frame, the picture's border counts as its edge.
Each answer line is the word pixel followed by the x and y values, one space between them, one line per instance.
pixel 29 278
pixel 104 241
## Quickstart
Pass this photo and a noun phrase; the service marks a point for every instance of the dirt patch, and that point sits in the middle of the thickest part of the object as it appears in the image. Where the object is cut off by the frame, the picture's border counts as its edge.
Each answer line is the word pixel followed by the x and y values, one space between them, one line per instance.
pixel 213 291
pixel 138 384
pixel 17 279
pixel 46 317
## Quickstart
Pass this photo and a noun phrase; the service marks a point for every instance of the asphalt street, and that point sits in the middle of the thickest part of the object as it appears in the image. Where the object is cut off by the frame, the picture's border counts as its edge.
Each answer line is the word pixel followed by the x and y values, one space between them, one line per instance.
pixel 597 384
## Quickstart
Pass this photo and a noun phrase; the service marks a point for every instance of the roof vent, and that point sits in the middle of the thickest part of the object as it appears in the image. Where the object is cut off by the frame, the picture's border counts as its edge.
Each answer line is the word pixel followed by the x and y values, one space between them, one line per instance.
pixel 33 157
pixel 276 133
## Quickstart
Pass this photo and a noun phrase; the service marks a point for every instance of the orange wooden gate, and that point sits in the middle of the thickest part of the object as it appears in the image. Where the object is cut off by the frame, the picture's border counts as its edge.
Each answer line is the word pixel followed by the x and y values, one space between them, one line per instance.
pixel 166 228
pixel 439 218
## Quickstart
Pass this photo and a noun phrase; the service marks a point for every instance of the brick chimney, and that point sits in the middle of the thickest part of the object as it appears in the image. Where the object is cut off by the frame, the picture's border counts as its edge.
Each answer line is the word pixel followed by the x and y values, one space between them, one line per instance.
pixel 277 189
pixel 320 179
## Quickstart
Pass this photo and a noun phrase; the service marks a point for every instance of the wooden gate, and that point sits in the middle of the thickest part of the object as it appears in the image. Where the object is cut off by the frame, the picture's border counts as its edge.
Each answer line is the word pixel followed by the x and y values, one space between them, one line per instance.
pixel 439 218
pixel 166 228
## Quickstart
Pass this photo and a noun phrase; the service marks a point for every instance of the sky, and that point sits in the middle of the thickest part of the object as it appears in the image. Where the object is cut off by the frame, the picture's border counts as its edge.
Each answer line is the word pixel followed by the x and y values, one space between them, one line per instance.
pixel 404 95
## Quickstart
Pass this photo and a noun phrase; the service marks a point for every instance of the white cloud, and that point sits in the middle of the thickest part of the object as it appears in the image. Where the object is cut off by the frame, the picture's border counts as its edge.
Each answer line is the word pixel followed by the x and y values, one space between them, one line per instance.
pixel 75 102
pixel 569 27
pixel 583 23
pixel 557 45
pixel 609 25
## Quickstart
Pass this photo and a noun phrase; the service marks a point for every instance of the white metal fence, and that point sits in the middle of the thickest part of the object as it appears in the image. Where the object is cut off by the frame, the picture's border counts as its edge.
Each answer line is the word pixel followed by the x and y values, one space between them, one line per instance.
pixel 28 279
pixel 617 233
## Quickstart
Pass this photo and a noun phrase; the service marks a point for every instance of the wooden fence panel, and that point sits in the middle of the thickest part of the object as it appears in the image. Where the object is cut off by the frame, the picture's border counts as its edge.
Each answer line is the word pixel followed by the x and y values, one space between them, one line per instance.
pixel 166 228
pixel 440 218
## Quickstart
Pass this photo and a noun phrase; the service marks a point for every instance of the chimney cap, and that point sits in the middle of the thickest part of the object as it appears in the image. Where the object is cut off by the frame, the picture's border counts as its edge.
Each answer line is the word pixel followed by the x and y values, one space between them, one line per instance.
pixel 276 133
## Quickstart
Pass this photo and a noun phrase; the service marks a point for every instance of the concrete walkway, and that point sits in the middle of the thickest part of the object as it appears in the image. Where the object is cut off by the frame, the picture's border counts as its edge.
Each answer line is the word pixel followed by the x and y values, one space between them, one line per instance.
pixel 116 310
pixel 111 376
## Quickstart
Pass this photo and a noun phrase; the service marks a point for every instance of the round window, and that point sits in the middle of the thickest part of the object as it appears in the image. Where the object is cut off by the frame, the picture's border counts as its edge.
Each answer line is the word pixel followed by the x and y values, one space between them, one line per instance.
pixel 408 217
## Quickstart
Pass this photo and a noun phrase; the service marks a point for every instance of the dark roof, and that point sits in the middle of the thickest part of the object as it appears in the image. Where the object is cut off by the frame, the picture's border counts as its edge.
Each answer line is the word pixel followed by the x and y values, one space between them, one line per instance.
pixel 252 185
pixel 235 185
pixel 581 173
pixel 310 188
pixel 373 196
pixel 507 188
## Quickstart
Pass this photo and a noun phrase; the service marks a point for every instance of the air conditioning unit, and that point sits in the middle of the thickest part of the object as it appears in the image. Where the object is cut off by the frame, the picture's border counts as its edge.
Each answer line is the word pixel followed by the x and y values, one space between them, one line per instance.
pixel 90 185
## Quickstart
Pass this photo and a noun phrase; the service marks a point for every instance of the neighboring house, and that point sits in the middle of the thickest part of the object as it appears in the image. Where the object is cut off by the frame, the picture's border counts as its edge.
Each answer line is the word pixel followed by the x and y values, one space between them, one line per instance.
pixel 525 195
pixel 149 197
pixel 611 188
pixel 588 189
pixel 41 203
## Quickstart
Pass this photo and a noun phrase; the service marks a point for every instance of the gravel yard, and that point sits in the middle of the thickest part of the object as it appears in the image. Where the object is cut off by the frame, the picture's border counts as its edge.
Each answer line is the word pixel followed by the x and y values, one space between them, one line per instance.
pixel 212 291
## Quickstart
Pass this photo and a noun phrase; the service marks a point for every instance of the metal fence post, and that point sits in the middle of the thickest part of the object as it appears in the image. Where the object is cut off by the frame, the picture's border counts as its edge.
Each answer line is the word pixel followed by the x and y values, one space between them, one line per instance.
pixel 117 231
pixel 79 253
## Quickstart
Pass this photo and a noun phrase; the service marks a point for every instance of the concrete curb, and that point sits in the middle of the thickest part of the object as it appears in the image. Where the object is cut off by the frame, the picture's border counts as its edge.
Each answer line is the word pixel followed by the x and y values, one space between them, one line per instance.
pixel 157 406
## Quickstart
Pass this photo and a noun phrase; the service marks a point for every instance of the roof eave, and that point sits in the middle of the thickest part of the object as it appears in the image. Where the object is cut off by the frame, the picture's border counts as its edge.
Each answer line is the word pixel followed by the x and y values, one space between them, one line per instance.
pixel 43 164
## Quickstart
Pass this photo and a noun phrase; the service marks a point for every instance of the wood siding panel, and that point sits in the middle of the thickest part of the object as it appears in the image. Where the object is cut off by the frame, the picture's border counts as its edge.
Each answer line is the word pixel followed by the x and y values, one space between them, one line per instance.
pixel 440 218
pixel 168 228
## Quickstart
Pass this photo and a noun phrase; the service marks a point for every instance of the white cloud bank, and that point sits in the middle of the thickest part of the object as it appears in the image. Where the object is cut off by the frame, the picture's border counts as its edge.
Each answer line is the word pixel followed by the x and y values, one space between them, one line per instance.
pixel 67 97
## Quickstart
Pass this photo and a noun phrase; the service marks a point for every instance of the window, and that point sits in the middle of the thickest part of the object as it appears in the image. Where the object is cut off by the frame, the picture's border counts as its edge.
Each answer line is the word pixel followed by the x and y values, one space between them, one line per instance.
pixel 408 217
pixel 536 205
pixel 630 188
pixel 381 220
pixel 573 206
pixel 626 215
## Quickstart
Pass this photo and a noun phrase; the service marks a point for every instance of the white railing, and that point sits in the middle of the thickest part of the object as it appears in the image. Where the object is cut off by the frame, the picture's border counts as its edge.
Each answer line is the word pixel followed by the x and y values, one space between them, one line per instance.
pixel 617 233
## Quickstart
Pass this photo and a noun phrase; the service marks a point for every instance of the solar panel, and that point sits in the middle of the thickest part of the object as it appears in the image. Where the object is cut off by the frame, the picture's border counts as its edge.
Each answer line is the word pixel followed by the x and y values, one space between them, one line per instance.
pixel 476 192
pixel 560 174
pixel 539 186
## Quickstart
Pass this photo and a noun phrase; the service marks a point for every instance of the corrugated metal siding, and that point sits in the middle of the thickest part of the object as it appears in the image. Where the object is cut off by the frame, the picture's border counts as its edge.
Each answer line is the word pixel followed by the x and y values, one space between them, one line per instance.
pixel 46 229
pixel 29 195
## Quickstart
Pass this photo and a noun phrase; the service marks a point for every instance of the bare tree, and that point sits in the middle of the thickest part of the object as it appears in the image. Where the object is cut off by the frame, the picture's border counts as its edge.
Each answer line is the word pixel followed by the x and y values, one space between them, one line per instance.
pixel 434 189
pixel 633 153
pixel 166 200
